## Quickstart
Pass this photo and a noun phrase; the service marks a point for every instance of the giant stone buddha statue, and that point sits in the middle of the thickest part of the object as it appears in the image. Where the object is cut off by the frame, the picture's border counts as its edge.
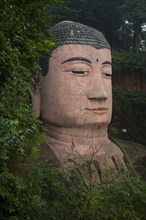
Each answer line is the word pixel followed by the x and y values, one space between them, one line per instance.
pixel 75 100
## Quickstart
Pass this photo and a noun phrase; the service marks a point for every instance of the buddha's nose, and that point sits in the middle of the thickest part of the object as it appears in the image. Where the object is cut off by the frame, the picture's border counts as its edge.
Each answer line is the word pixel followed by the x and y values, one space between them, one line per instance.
pixel 96 90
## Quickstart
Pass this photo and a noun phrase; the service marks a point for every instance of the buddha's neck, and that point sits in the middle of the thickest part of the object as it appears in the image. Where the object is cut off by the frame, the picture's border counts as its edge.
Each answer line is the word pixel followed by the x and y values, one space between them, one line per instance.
pixel 83 135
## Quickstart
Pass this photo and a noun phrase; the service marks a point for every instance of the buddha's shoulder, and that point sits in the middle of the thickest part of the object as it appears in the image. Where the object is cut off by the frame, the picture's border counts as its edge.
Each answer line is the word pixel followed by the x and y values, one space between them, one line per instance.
pixel 132 150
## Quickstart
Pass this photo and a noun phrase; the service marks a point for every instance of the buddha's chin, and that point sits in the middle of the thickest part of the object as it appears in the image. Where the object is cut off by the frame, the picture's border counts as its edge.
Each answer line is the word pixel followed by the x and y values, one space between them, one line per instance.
pixel 79 124
pixel 68 120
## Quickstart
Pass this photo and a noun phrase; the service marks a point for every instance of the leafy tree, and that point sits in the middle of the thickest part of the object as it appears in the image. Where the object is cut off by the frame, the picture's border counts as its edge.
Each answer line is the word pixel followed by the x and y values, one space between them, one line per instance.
pixel 102 15
pixel 22 26
pixel 121 21
pixel 134 14
pixel 129 61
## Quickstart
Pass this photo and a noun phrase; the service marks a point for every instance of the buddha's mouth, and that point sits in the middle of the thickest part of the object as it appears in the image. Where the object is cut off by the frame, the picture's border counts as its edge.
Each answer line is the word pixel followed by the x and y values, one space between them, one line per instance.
pixel 99 110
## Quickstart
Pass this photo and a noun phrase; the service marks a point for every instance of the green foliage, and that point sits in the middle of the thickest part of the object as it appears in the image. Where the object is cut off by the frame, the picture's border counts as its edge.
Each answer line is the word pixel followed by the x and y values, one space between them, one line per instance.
pixel 128 61
pixel 121 21
pixel 70 195
pixel 46 192
pixel 129 112
pixel 22 26
pixel 133 12
pixel 102 15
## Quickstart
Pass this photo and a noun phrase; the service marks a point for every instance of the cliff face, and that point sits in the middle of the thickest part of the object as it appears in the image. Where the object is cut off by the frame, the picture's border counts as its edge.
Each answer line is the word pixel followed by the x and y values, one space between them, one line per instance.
pixel 130 80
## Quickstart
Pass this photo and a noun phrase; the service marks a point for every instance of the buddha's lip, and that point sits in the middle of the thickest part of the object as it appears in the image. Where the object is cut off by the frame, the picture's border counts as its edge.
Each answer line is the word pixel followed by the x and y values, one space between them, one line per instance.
pixel 97 109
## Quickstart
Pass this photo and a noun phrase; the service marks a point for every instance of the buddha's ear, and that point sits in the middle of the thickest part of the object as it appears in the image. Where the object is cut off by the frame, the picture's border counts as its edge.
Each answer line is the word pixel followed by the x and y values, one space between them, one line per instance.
pixel 34 89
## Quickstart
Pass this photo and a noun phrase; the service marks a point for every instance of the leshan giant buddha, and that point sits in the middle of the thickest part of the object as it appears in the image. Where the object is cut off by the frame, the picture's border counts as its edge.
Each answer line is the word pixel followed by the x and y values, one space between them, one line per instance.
pixel 76 98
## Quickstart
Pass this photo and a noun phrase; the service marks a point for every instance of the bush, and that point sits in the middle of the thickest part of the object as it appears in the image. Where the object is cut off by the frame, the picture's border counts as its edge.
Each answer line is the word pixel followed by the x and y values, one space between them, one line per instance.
pixel 22 25
pixel 128 61
pixel 129 113
pixel 70 196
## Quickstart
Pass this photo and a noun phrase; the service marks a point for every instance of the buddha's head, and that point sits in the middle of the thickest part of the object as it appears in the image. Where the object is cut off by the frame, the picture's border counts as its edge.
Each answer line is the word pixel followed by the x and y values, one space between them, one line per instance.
pixel 76 79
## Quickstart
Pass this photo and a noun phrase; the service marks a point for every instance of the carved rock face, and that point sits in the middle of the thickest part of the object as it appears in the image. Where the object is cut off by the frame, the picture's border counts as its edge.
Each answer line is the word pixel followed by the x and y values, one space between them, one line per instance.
pixel 77 88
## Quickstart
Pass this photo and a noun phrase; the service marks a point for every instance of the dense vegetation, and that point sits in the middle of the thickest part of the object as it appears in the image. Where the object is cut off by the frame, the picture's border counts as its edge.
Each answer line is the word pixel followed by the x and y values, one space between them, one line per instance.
pixel 129 113
pixel 31 190
pixel 120 20
pixel 21 27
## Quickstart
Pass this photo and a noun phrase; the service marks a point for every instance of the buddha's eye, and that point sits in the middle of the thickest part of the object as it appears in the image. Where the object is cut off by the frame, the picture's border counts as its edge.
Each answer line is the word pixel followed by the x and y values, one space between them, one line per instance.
pixel 106 71
pixel 77 69
pixel 80 72
pixel 108 75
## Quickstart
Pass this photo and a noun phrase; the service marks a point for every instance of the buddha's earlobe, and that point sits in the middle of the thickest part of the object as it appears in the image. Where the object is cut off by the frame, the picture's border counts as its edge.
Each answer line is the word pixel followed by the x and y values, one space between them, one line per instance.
pixel 34 90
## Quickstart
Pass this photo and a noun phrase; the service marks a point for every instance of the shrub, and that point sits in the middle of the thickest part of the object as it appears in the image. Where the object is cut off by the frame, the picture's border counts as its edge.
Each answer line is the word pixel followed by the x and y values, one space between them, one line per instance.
pixel 129 113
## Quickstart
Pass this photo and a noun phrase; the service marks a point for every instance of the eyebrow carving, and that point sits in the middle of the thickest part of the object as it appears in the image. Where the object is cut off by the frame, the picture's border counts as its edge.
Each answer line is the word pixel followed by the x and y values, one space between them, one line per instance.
pixel 107 62
pixel 77 59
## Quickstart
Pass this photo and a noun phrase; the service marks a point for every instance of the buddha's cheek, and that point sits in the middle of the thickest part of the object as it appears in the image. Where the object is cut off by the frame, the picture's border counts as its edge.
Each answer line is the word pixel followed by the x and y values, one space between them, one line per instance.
pixel 69 102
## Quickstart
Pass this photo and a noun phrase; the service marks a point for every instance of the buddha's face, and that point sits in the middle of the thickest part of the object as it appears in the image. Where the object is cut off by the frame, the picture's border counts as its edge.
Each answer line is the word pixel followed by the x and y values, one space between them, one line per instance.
pixel 77 88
